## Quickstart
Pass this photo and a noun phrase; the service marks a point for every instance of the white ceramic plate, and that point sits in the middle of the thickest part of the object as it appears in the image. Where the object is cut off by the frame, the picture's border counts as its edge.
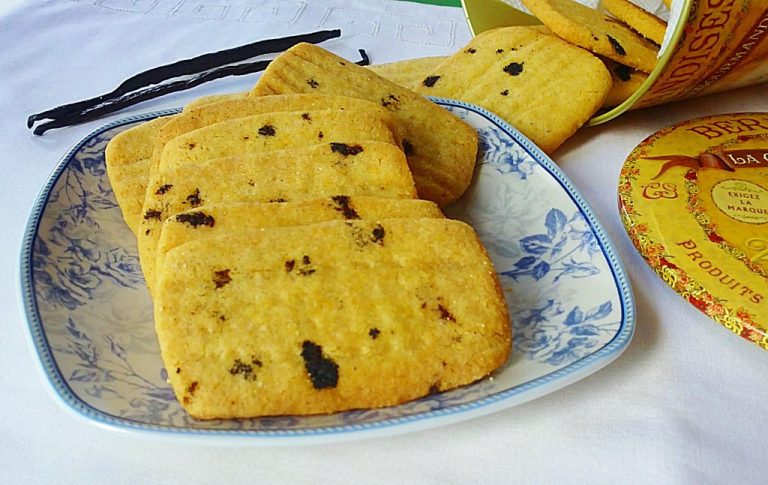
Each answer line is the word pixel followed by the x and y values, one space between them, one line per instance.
pixel 90 316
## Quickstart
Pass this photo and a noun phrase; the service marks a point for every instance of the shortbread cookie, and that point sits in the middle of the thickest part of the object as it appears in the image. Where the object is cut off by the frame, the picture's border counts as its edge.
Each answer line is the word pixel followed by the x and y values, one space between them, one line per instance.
pixel 213 98
pixel 365 168
pixel 129 154
pixel 328 317
pixel 540 28
pixel 407 73
pixel 276 131
pixel 231 218
pixel 200 116
pixel 127 159
pixel 595 31
pixel 644 22
pixel 625 82
pixel 503 70
pixel 441 148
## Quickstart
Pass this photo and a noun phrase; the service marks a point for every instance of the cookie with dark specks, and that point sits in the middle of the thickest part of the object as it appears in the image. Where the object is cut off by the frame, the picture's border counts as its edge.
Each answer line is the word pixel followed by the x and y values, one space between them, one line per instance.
pixel 644 22
pixel 328 317
pixel 504 70
pixel 377 169
pixel 595 31
pixel 127 158
pixel 408 73
pixel 441 148
pixel 201 114
pixel 277 131
pixel 625 82
pixel 233 217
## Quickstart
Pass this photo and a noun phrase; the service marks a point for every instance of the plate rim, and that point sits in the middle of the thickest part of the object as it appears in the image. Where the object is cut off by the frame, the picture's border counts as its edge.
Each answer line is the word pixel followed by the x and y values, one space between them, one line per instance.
pixel 63 394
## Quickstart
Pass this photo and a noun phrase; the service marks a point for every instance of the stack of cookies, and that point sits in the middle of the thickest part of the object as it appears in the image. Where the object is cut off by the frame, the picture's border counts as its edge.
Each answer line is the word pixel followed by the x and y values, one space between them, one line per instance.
pixel 293 268
pixel 291 237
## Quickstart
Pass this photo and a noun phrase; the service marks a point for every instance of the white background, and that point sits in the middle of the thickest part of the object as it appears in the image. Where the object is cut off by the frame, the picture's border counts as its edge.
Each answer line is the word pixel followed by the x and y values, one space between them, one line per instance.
pixel 686 403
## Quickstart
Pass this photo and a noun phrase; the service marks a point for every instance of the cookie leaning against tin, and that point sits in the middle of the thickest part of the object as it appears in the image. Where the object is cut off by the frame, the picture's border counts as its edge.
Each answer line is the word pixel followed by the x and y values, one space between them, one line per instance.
pixel 625 82
pixel 234 217
pixel 276 131
pixel 328 317
pixel 441 148
pixel 127 159
pixel 644 22
pixel 503 70
pixel 595 31
pixel 364 168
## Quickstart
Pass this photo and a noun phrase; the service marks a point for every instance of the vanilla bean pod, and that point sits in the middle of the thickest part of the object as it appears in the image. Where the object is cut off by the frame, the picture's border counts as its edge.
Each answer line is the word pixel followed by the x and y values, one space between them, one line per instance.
pixel 187 67
pixel 135 97
pixel 130 99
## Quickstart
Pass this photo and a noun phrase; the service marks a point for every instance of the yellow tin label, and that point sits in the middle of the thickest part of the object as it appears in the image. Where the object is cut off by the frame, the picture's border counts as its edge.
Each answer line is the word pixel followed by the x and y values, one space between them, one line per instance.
pixel 724 45
pixel 715 46
pixel 694 201
pixel 741 200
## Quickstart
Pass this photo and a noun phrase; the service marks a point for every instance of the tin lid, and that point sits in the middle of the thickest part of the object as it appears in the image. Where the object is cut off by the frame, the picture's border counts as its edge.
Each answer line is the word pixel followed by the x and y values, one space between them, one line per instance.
pixel 693 198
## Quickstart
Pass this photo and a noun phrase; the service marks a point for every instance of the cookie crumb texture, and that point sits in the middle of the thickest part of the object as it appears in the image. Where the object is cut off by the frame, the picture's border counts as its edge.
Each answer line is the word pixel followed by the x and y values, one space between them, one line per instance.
pixel 375 325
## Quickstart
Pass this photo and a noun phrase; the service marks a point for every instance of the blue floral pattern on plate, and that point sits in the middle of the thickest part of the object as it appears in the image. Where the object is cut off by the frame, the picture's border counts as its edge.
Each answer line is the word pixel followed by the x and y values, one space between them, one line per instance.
pixel 90 316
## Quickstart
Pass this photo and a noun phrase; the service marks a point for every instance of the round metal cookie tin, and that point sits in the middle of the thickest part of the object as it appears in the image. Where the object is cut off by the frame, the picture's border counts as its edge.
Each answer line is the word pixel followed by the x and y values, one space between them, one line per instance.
pixel 693 198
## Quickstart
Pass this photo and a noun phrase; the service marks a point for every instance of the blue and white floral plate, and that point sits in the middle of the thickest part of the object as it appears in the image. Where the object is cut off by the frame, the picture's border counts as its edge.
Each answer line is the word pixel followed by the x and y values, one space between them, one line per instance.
pixel 90 316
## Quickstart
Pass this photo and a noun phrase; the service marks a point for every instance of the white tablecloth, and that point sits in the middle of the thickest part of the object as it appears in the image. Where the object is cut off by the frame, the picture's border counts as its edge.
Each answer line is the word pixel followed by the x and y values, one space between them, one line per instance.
pixel 686 403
